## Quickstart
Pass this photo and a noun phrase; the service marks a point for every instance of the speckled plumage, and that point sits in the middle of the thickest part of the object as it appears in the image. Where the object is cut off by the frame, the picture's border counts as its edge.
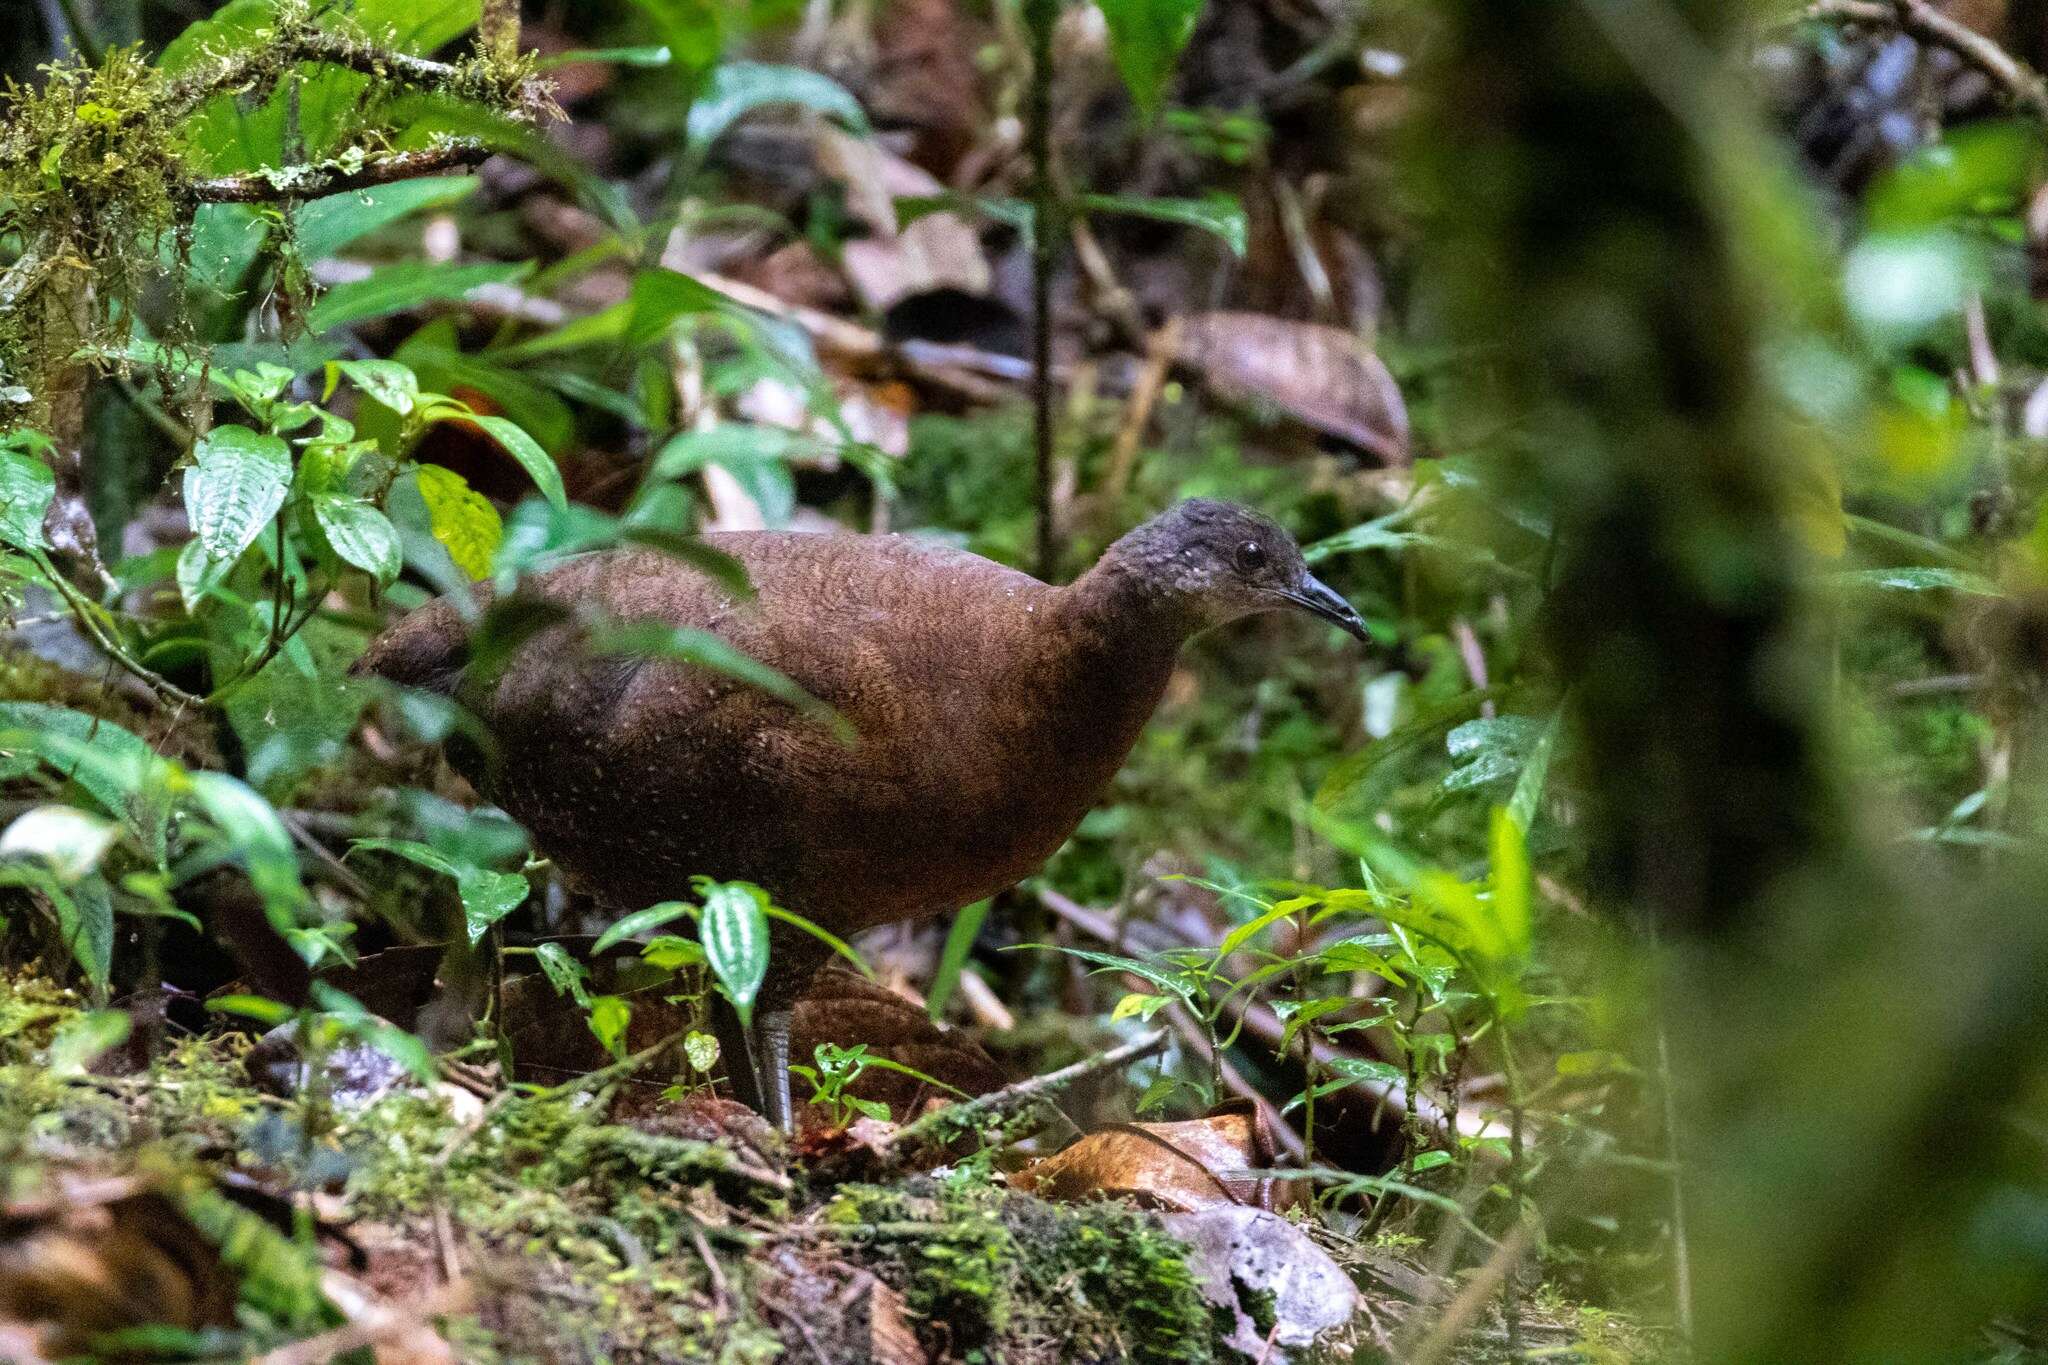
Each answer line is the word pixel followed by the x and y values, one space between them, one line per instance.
pixel 989 711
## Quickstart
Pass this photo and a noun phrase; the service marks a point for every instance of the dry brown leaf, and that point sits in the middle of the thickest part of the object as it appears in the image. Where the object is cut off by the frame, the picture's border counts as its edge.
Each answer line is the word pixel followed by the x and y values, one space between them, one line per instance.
pixel 1323 377
pixel 1195 1164
pixel 86 1257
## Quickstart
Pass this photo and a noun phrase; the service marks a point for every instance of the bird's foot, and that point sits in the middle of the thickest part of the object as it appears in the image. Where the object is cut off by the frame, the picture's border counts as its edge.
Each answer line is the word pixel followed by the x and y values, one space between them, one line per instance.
pixel 768 1052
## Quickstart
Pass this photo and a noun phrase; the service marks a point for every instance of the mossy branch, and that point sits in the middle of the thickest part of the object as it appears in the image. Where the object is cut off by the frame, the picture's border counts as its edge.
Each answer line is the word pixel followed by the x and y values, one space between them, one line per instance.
pixel 336 176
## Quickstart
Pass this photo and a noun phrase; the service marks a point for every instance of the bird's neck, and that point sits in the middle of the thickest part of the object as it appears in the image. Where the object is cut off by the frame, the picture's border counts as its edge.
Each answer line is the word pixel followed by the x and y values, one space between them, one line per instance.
pixel 1118 610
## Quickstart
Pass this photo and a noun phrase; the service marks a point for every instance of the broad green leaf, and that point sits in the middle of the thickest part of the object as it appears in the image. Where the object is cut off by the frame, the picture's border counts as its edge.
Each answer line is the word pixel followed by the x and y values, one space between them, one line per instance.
pixel 642 922
pixel 114 766
pixel 756 456
pixel 27 487
pixel 84 1037
pixel 361 535
pixel 235 487
pixel 327 225
pixel 531 457
pixel 461 519
pixel 737 88
pixel 610 1017
pixel 69 841
pixel 659 297
pixel 402 286
pixel 1217 214
pixel 734 932
pixel 694 33
pixel 434 354
pixel 387 381
pixel 1145 40
pixel 487 896
pixel 564 972
pixel 953 957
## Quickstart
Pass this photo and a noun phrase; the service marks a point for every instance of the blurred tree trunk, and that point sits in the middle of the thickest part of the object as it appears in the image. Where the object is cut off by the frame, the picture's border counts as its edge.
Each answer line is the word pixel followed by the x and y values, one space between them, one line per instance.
pixel 1612 233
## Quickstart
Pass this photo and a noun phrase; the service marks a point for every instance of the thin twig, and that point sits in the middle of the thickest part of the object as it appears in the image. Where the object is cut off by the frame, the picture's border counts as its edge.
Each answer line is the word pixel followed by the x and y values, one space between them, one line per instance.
pixel 82 612
pixel 1918 19
pixel 954 1118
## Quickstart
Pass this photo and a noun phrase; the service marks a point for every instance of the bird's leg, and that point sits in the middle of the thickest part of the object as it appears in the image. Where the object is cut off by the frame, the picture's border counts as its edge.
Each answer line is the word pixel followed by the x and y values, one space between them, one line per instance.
pixel 768 1051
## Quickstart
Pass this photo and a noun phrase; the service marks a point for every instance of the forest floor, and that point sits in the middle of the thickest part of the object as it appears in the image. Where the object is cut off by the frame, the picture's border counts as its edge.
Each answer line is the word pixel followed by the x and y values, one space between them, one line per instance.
pixel 579 1222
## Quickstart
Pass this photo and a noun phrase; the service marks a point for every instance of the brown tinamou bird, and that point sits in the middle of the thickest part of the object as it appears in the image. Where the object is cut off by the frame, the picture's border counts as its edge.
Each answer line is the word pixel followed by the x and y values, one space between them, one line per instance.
pixel 988 710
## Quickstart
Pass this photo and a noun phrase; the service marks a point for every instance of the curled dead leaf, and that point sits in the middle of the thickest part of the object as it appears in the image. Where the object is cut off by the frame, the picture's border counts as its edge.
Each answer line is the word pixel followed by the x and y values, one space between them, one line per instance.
pixel 1323 377
pixel 1196 1164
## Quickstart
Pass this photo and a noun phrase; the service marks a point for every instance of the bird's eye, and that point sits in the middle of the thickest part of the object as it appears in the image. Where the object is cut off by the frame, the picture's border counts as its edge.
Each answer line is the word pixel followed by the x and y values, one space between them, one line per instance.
pixel 1251 557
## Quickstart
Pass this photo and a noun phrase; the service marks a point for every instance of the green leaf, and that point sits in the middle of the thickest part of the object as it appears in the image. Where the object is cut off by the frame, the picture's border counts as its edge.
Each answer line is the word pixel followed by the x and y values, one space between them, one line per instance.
pixel 756 456
pixel 114 766
pixel 69 841
pixel 1511 881
pixel 960 939
pixel 327 225
pixel 642 922
pixel 235 487
pixel 686 644
pixel 85 921
pixel 400 287
pixel 610 1017
pixel 701 1050
pixel 1528 792
pixel 1914 578
pixel 257 835
pixel 531 457
pixel 487 896
pixel 692 30
pixel 1217 214
pixel 1145 40
pixel 83 1038
pixel 261 1008
pixel 564 972
pixel 734 931
pixel 1243 933
pixel 671 953
pixel 361 535
pixel 659 297
pixel 462 519
pixel 1178 986
pixel 390 383
pixel 737 88
pixel 27 487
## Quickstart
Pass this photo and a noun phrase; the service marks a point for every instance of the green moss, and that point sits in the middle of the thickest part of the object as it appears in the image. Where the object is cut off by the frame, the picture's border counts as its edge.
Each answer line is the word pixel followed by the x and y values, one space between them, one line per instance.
pixel 993 1275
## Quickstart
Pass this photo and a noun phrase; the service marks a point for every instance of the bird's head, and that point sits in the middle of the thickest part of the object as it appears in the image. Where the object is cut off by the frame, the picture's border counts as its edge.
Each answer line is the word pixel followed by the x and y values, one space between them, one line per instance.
pixel 1215 562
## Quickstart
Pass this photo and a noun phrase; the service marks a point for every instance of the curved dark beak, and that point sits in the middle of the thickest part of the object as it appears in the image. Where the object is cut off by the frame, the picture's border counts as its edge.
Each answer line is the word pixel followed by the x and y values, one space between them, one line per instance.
pixel 1318 598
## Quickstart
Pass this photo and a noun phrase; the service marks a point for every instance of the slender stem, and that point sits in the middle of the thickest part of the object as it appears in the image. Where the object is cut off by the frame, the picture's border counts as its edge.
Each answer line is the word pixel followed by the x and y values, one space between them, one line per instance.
pixel 82 612
pixel 1040 18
